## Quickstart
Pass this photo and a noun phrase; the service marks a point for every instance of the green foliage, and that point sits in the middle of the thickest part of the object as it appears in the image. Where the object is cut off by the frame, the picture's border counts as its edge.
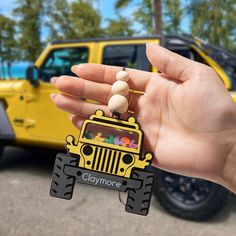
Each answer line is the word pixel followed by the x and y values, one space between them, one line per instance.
pixel 74 20
pixel 122 3
pixel 120 27
pixel 7 44
pixel 174 14
pixel 57 19
pixel 148 14
pixel 29 18
pixel 87 21
pixel 144 14
pixel 214 21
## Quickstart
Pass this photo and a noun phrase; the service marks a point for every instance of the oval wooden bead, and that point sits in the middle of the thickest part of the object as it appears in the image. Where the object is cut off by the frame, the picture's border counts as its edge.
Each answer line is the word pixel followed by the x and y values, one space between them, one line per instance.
pixel 122 75
pixel 118 104
pixel 120 87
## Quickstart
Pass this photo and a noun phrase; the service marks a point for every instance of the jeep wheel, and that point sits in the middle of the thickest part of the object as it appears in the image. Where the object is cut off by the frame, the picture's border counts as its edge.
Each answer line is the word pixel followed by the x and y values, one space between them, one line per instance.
pixel 189 198
pixel 62 185
pixel 138 201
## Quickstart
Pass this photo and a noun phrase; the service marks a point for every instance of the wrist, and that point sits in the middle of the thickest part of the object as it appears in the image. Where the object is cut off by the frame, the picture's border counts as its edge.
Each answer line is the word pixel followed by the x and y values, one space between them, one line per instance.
pixel 229 170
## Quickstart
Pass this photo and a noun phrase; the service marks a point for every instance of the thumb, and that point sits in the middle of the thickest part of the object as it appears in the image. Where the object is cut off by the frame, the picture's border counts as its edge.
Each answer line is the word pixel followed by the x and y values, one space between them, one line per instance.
pixel 170 63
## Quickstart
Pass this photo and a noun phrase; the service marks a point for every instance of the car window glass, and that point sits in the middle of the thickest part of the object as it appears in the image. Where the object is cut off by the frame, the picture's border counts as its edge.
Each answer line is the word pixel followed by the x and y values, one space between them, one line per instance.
pixel 132 56
pixel 190 54
pixel 59 62
pixel 185 53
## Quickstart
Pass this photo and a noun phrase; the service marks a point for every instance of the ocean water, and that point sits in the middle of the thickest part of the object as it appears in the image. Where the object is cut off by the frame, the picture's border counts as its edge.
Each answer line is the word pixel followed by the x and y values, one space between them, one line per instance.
pixel 17 71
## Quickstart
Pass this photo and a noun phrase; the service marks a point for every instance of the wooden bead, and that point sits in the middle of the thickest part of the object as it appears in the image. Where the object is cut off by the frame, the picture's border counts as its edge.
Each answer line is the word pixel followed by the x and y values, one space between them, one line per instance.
pixel 122 75
pixel 118 103
pixel 120 87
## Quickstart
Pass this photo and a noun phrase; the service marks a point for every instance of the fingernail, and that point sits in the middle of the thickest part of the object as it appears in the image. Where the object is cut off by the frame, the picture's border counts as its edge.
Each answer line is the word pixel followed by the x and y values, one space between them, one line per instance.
pixel 151 44
pixel 70 117
pixel 53 80
pixel 80 66
pixel 73 68
pixel 52 96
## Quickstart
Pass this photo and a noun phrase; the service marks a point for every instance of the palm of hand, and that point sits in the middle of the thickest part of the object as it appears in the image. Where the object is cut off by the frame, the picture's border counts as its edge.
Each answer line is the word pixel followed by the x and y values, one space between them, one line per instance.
pixel 183 123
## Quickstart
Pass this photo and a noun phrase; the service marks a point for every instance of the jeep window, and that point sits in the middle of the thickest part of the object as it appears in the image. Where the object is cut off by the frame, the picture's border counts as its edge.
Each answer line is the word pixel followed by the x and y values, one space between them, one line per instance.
pixel 116 136
pixel 188 53
pixel 132 56
pixel 59 62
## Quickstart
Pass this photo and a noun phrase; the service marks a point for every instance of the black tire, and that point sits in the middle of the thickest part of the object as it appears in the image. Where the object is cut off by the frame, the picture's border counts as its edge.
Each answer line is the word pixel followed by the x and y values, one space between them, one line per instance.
pixel 138 201
pixel 189 198
pixel 1 150
pixel 62 185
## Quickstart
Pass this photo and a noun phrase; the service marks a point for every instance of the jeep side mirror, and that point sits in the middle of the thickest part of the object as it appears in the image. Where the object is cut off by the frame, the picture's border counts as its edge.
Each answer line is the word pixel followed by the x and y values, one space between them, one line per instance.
pixel 32 74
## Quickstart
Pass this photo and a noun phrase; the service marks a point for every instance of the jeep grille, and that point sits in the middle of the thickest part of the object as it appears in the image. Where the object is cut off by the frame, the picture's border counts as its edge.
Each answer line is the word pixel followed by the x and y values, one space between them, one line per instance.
pixel 106 160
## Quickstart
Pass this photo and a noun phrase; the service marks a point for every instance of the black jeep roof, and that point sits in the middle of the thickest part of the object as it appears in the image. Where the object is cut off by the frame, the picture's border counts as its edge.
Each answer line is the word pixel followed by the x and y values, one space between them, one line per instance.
pixel 105 39
pixel 169 41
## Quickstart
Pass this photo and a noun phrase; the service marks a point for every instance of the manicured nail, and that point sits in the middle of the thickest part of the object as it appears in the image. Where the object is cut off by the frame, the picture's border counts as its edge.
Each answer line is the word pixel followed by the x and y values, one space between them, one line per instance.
pixel 53 80
pixel 52 96
pixel 70 117
pixel 80 66
pixel 73 69
pixel 151 45
pixel 76 67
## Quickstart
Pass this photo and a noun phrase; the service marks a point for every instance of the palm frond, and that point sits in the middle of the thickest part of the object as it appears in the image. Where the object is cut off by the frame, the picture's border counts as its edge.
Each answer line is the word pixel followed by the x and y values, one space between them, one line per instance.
pixel 122 3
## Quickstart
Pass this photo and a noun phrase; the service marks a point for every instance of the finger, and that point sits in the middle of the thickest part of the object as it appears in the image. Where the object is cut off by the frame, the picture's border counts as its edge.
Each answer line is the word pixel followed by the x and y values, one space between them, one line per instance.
pixel 77 106
pixel 77 121
pixel 171 63
pixel 79 87
pixel 107 74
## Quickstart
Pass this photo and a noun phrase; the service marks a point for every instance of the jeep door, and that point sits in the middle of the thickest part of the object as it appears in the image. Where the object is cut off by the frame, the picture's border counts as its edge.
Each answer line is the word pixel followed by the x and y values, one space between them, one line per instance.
pixel 50 125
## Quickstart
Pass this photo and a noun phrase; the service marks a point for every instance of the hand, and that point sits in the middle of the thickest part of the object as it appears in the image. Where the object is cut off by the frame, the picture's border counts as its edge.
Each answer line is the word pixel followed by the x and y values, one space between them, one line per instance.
pixel 187 115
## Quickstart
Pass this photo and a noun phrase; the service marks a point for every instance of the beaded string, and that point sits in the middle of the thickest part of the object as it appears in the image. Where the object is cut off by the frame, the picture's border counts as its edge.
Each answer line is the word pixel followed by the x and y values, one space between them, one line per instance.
pixel 118 103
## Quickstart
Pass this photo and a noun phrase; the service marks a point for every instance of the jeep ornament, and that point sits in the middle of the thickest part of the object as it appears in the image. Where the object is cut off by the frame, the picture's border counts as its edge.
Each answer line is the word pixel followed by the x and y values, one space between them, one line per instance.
pixel 107 154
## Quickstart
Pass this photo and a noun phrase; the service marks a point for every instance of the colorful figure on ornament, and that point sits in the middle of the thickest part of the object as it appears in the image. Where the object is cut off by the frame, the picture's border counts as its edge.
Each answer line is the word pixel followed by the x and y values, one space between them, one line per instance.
pixel 89 134
pixel 132 144
pixel 125 141
pixel 118 142
pixel 99 137
pixel 110 139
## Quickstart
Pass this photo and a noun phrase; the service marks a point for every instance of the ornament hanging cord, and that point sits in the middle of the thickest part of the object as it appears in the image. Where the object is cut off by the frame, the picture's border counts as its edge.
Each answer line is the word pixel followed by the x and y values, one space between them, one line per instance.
pixel 120 199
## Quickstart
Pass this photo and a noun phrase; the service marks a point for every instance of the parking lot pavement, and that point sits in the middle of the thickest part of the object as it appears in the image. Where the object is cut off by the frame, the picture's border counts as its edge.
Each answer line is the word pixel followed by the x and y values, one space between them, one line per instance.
pixel 27 209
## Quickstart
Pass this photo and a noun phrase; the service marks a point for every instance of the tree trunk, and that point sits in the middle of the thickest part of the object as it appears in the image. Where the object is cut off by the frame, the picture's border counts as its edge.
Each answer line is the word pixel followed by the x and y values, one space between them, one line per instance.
pixel 9 70
pixel 157 16
pixel 3 71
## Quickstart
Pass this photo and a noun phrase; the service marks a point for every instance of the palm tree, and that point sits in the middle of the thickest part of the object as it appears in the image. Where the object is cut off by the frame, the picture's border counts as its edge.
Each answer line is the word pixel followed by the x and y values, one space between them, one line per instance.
pixel 122 3
pixel 157 12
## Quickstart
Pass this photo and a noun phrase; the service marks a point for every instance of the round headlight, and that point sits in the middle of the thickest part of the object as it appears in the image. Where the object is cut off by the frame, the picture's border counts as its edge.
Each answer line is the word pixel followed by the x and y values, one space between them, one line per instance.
pixel 87 150
pixel 127 159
